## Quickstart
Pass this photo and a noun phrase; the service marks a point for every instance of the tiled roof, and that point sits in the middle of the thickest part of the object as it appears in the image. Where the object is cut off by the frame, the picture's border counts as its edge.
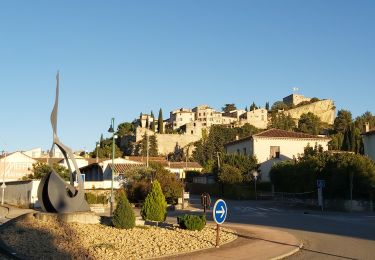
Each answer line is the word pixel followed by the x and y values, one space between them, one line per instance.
pixel 124 167
pixel 182 165
pixel 278 133
pixel 286 134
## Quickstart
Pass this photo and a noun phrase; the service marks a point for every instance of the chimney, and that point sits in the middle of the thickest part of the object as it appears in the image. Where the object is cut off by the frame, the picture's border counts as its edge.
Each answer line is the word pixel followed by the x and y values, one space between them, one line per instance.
pixel 237 137
pixel 366 127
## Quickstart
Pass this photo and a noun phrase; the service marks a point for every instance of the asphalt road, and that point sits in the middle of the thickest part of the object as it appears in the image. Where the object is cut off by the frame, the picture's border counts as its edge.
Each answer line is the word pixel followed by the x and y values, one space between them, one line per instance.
pixel 326 235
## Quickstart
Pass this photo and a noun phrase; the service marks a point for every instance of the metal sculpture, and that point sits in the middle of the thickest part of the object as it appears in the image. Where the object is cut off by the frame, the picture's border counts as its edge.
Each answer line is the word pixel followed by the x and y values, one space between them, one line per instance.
pixel 54 194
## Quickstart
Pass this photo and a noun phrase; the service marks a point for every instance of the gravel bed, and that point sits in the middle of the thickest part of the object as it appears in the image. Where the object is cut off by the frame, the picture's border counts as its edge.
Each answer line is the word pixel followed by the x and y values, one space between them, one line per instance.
pixel 57 240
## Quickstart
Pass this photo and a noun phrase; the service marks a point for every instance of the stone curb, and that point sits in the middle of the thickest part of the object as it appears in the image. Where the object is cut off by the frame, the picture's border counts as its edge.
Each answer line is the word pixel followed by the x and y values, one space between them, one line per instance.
pixel 294 251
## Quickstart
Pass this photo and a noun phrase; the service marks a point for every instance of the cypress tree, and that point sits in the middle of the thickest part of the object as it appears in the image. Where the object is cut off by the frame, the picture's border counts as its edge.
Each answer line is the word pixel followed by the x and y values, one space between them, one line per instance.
pixel 123 216
pixel 153 146
pixel 268 106
pixel 160 122
pixel 155 206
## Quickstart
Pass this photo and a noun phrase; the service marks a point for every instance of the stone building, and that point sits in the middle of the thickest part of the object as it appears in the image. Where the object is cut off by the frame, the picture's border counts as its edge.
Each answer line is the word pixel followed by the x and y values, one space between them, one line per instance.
pixel 295 99
pixel 256 117
pixel 181 117
pixel 207 115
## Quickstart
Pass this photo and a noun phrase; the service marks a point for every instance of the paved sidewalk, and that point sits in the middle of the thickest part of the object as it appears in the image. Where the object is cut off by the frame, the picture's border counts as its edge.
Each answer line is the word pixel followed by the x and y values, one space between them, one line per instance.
pixel 254 242
pixel 8 212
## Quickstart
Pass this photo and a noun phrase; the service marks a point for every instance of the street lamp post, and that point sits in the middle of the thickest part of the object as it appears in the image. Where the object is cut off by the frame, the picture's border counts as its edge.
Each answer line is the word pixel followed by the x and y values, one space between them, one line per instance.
pixel 3 186
pixel 255 175
pixel 112 130
pixel 97 152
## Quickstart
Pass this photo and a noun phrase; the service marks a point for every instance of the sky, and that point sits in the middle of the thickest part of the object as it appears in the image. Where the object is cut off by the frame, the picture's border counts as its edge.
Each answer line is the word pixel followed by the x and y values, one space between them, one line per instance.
pixel 120 58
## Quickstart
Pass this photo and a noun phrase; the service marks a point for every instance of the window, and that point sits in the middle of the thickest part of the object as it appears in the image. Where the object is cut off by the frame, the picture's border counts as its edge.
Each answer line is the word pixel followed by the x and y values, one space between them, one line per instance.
pixel 274 151
pixel 192 132
pixel 199 114
pixel 204 113
pixel 244 151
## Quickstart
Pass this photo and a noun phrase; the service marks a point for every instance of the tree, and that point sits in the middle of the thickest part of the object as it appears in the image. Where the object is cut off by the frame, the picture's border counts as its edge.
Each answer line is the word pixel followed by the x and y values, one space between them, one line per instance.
pixel 153 146
pixel 123 215
pixel 253 106
pixel 228 107
pixel 342 121
pixel 152 115
pixel 230 174
pixel 101 140
pixel 246 109
pixel 279 105
pixel 282 121
pixel 155 206
pixel 105 149
pixel 367 117
pixel 267 106
pixel 144 145
pixel 147 122
pixel 160 122
pixel 125 128
pixel 153 126
pixel 309 123
pixel 41 169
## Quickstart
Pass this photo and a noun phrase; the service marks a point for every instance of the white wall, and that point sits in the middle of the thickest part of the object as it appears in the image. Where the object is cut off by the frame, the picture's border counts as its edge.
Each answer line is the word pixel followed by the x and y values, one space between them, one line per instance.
pixel 369 143
pixel 17 165
pixel 289 148
pixel 260 148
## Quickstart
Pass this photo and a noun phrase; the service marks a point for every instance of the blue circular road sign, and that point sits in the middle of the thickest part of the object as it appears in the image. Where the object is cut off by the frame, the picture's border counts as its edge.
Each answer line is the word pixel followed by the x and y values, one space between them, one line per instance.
pixel 220 211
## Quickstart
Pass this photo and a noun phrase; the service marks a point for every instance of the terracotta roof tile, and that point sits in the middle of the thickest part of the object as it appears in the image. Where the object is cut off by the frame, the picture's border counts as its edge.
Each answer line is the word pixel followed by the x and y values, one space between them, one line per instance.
pixel 124 167
pixel 278 133
pixel 286 134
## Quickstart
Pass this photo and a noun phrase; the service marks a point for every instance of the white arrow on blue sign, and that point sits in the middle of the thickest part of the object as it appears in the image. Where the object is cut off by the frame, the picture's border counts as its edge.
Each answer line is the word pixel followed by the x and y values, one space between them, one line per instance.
pixel 220 211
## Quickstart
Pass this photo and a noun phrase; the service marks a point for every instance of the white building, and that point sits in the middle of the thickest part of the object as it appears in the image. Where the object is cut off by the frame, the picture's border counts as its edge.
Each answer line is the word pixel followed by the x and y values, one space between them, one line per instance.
pixel 15 165
pixel 273 146
pixel 181 117
pixel 207 116
pixel 369 141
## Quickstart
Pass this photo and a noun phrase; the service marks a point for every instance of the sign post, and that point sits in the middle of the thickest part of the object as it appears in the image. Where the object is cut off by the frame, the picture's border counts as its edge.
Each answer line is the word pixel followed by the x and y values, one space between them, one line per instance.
pixel 205 201
pixel 321 184
pixel 219 213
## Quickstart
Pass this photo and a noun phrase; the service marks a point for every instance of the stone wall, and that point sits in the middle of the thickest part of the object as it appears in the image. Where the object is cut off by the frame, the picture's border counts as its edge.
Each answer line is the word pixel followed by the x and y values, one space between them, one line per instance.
pixel 168 142
pixel 324 109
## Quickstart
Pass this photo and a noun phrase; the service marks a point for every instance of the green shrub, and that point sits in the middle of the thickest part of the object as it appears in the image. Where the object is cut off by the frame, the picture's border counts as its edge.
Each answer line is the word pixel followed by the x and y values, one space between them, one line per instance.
pixel 96 199
pixel 155 206
pixel 230 174
pixel 192 222
pixel 123 216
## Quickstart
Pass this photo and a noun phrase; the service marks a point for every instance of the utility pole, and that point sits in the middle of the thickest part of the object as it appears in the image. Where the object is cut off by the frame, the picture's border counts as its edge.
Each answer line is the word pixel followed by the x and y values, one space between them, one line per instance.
pixel 147 149
pixel 3 186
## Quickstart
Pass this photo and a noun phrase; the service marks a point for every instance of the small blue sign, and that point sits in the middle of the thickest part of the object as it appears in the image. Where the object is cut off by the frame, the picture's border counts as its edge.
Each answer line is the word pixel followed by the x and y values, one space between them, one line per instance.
pixel 220 211
pixel 320 183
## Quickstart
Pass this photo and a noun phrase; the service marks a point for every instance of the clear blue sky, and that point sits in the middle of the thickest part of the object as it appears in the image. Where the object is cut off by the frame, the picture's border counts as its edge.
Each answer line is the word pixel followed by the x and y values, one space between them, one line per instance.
pixel 120 58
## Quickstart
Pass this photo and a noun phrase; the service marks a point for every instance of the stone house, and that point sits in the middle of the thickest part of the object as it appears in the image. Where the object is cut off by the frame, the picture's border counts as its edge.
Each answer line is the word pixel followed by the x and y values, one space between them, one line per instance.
pixel 274 145
pixel 181 117
pixel 256 117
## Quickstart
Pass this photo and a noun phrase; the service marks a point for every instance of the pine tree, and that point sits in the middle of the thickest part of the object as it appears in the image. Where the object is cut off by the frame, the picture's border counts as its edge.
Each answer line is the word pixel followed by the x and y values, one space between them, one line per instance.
pixel 160 122
pixel 101 141
pixel 253 106
pixel 268 106
pixel 155 206
pixel 147 122
pixel 153 146
pixel 123 216
pixel 246 109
